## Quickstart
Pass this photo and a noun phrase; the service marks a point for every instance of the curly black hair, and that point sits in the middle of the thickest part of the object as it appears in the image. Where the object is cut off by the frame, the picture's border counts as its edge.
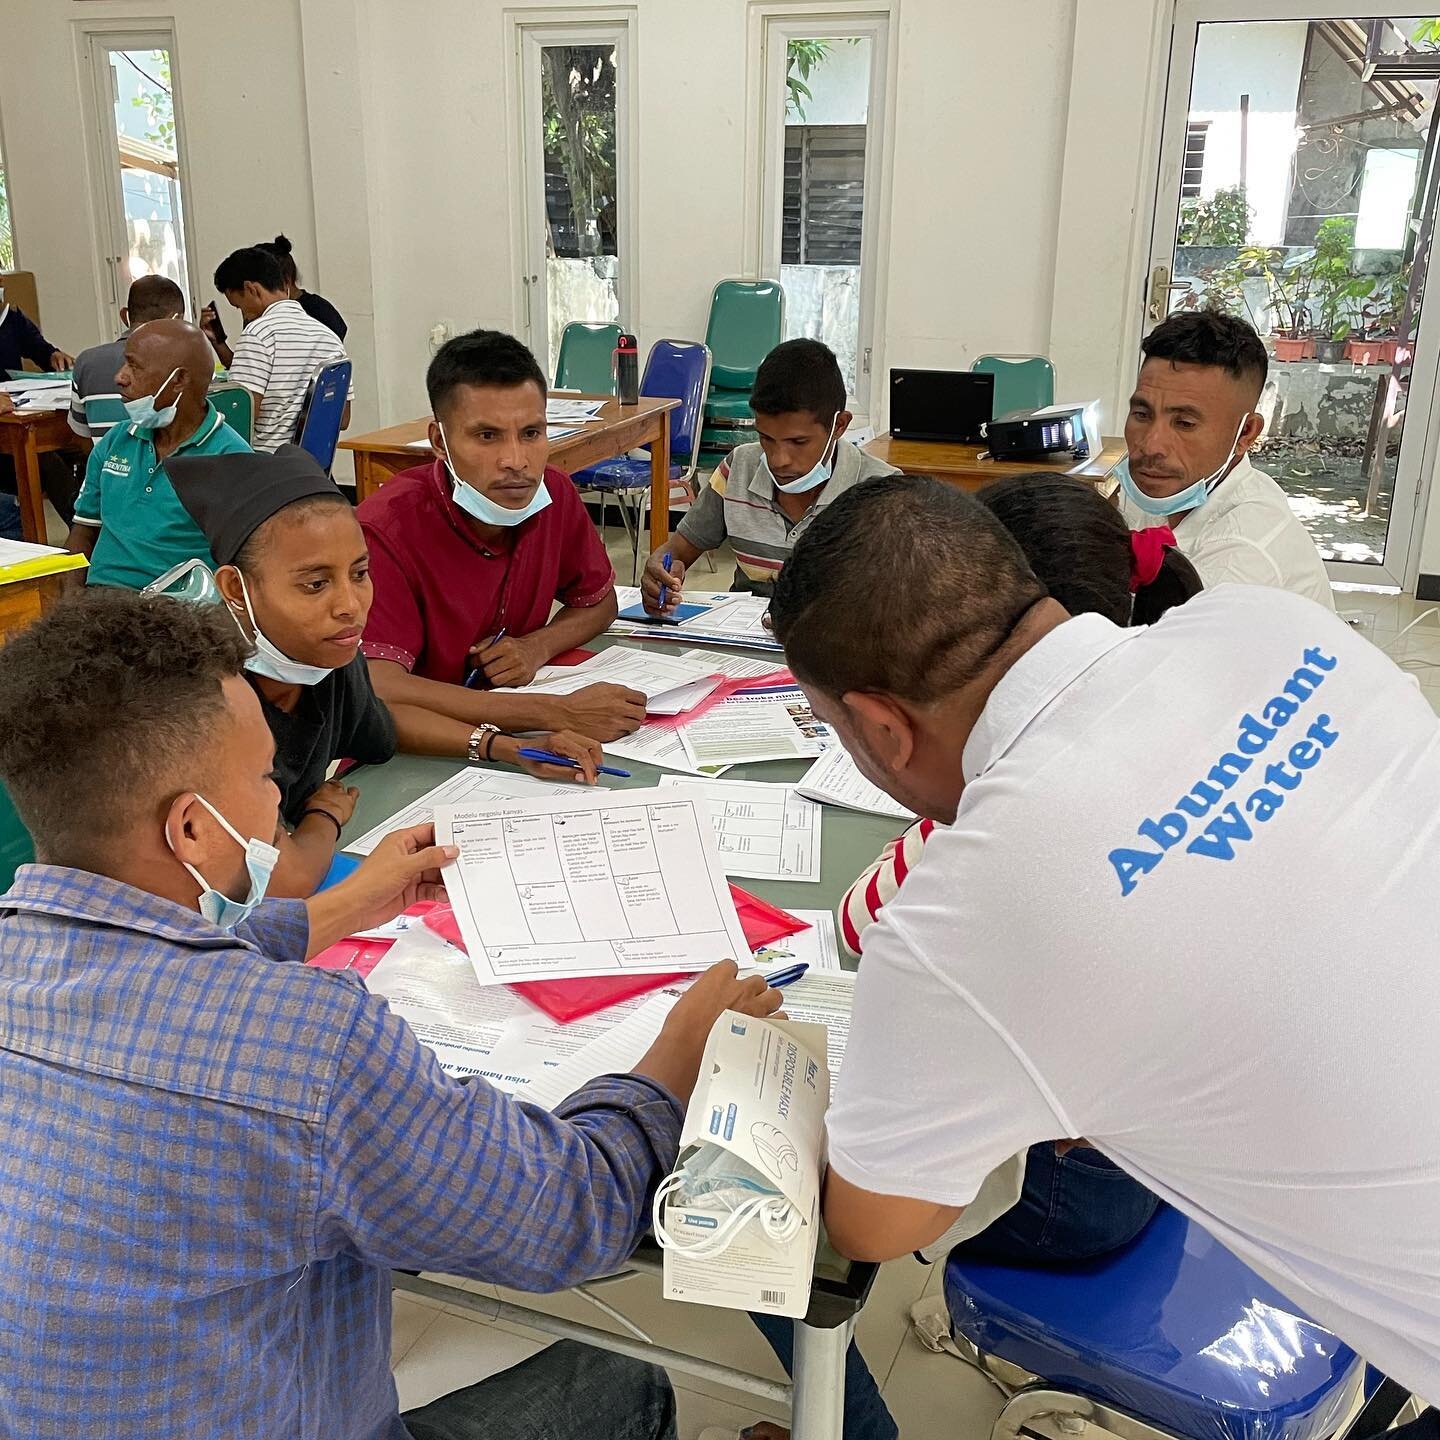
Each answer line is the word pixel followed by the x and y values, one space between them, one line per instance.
pixel 104 703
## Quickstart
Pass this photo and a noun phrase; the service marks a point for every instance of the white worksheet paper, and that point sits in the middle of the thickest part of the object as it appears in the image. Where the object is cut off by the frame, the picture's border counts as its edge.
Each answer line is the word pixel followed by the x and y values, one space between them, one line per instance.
pixel 430 984
pixel 465 787
pixel 625 882
pixel 650 673
pixel 824 999
pixel 754 726
pixel 816 946
pixel 661 746
pixel 764 831
pixel 834 779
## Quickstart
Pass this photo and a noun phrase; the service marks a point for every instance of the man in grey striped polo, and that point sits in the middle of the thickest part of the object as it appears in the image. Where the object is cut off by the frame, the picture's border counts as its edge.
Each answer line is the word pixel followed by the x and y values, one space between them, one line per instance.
pixel 280 350
pixel 763 498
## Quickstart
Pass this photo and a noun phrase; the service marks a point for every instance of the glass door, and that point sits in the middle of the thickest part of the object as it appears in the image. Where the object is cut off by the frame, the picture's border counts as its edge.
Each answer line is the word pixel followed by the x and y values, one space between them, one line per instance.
pixel 140 185
pixel 575 143
pixel 1297 188
pixel 824 109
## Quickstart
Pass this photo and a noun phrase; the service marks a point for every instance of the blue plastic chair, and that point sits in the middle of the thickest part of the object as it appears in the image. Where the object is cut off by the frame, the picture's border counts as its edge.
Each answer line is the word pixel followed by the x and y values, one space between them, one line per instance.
pixel 674 370
pixel 320 417
pixel 1172 1336
pixel 586 359
pixel 1022 382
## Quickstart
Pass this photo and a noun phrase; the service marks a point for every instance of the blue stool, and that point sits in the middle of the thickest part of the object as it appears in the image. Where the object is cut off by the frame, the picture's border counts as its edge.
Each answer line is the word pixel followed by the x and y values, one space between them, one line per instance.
pixel 1171 1338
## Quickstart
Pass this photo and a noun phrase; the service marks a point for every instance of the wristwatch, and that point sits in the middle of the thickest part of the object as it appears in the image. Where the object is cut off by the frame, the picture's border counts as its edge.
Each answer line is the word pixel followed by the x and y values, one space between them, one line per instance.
pixel 478 739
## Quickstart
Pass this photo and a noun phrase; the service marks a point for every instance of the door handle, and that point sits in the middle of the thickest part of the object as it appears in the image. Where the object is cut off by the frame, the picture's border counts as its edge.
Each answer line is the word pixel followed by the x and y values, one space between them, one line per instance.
pixel 1160 287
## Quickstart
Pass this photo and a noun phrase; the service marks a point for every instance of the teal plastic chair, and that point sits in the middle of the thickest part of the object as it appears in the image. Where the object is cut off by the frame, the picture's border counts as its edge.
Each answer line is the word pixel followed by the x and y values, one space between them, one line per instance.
pixel 587 352
pixel 1022 382
pixel 747 321
pixel 237 405
pixel 16 848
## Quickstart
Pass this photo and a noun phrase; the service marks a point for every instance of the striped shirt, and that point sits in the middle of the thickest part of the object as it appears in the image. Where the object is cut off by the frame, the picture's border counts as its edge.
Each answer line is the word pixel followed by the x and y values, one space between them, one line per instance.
pixel 95 402
pixel 739 505
pixel 212 1155
pixel 880 884
pixel 276 357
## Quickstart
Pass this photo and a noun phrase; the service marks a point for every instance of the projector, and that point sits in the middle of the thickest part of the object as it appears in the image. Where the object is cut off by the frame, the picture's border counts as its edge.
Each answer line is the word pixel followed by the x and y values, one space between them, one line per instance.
pixel 1033 434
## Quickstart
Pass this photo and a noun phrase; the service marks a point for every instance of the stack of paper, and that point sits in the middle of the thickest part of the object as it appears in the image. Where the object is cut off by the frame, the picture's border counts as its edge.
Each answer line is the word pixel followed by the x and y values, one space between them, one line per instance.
pixel 670 683
pixel 729 619
pixel 756 725
pixel 33 395
pixel 764 831
pixel 834 780
pixel 19 559
pixel 562 410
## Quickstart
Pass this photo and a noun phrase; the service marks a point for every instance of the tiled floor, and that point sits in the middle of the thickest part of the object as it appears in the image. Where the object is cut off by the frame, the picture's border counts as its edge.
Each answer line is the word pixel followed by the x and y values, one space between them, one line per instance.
pixel 437 1349
pixel 1415 647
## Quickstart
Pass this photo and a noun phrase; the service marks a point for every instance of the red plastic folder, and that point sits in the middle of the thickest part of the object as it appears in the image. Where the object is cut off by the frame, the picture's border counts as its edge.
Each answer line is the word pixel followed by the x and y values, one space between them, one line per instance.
pixel 567 1000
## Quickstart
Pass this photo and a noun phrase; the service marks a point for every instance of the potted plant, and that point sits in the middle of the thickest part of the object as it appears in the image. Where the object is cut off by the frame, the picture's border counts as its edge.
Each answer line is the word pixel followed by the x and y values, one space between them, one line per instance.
pixel 1289 287
pixel 1336 286
pixel 1381 315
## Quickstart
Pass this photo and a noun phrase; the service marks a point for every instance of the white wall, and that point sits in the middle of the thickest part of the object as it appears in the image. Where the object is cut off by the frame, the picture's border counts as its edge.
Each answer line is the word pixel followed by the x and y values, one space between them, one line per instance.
pixel 1263 60
pixel 242 123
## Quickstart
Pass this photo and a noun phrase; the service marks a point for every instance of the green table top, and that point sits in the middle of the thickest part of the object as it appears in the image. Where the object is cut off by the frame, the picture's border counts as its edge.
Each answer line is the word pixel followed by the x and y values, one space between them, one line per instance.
pixel 849 841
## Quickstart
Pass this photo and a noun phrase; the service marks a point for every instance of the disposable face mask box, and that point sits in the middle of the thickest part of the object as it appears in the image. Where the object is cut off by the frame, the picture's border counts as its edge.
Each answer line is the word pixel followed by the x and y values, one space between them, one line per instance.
pixel 760 1100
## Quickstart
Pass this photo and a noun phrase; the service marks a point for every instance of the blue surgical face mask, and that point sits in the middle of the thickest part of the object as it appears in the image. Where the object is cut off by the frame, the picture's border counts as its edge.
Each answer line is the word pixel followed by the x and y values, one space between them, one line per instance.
pixel 144 415
pixel 271 661
pixel 1188 498
pixel 482 507
pixel 260 860
pixel 816 476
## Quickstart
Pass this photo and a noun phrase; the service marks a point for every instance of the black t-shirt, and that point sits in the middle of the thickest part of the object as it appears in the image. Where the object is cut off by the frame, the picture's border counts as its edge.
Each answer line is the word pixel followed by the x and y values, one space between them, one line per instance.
pixel 339 719
pixel 317 307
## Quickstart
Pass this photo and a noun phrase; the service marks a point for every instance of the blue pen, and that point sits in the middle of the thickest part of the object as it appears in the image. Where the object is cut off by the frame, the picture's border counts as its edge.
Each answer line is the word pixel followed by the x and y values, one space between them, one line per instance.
pixel 548 757
pixel 477 673
pixel 788 976
pixel 665 589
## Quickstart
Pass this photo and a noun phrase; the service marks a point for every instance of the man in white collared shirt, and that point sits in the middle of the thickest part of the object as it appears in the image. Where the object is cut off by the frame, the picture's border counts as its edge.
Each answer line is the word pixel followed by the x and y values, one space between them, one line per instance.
pixel 1179 902
pixel 1188 434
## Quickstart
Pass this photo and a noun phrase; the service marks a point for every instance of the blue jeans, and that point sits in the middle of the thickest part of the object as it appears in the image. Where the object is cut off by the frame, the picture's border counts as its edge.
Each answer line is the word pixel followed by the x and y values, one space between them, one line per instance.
pixel 566 1391
pixel 10 517
pixel 1072 1207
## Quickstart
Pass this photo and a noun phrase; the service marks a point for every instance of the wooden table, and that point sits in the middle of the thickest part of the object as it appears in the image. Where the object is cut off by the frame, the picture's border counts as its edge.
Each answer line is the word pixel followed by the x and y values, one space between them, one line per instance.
pixel 25 600
pixel 620 428
pixel 25 438
pixel 962 465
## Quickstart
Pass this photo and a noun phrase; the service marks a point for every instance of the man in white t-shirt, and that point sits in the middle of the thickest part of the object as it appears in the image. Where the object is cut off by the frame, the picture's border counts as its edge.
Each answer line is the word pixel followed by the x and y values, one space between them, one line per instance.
pixel 1188 435
pixel 280 350
pixel 1180 903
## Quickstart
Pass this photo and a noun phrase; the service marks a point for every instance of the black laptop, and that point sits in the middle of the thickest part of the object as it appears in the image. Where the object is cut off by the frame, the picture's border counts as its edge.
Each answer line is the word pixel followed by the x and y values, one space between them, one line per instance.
pixel 952 405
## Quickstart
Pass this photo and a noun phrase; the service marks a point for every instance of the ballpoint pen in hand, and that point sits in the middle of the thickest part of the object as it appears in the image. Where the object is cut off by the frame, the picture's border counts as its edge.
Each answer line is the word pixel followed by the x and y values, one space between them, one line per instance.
pixel 548 757
pixel 787 976
pixel 477 673
pixel 665 589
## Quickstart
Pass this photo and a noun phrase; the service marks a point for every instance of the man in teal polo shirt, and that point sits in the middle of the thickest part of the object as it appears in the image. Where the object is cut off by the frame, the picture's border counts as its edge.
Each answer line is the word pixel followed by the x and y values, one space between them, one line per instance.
pixel 128 519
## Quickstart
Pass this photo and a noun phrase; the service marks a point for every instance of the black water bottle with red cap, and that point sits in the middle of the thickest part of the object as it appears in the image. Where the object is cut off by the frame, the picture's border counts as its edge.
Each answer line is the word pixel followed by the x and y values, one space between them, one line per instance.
pixel 627 370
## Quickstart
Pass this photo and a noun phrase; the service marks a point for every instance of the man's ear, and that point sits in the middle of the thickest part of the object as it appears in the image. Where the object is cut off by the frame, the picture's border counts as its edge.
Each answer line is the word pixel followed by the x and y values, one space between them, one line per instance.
pixel 437 440
pixel 124 317
pixel 885 726
pixel 843 422
pixel 1254 427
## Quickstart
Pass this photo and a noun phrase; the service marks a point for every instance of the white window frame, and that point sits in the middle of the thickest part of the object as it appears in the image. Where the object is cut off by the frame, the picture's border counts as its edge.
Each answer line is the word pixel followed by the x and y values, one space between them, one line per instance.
pixel 771 28
pixel 1420 442
pixel 92 37
pixel 525 33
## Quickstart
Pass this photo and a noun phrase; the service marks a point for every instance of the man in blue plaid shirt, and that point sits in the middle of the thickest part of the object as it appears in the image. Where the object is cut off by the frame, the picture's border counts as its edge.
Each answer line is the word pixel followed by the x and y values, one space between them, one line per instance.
pixel 211 1154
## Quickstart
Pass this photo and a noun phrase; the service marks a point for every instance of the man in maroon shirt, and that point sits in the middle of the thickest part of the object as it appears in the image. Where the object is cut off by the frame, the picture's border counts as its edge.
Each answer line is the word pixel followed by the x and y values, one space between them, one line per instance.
pixel 469 552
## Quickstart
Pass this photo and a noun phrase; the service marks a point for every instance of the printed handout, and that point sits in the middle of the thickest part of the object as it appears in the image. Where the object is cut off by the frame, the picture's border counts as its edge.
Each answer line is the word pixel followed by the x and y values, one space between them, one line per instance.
pixel 764 831
pixel 627 881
